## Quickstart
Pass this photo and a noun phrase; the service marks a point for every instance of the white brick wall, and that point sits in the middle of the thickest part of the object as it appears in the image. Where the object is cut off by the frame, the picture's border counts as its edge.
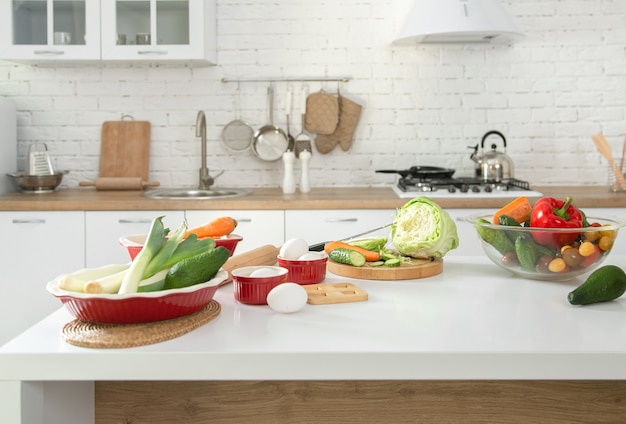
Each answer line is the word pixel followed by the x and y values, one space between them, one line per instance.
pixel 423 104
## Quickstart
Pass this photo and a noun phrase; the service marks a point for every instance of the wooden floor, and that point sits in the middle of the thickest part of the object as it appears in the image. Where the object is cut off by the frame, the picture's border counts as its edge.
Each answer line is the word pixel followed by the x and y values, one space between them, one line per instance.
pixel 277 402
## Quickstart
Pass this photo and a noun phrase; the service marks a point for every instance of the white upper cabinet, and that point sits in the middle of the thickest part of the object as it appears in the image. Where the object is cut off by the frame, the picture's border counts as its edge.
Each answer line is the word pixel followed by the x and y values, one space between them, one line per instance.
pixel 168 30
pixel 44 30
pixel 109 30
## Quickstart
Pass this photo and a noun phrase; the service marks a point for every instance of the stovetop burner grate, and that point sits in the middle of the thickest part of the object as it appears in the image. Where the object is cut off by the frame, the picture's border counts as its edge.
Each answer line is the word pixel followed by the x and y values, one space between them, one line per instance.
pixel 462 184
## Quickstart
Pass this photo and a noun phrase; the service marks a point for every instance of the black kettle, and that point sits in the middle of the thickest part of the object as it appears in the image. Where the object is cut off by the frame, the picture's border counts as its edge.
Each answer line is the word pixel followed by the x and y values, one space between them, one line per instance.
pixel 492 166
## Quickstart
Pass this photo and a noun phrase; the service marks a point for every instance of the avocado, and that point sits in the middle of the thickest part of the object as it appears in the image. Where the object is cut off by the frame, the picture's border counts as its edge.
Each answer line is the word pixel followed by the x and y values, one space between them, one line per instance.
pixel 604 284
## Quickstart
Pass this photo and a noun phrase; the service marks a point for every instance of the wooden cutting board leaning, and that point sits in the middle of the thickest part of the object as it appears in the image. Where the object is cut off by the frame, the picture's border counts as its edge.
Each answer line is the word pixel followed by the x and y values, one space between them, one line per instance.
pixel 125 149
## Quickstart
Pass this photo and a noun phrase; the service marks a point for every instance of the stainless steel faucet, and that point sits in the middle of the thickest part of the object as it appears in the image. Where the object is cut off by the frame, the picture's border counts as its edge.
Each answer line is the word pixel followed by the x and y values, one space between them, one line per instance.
pixel 206 181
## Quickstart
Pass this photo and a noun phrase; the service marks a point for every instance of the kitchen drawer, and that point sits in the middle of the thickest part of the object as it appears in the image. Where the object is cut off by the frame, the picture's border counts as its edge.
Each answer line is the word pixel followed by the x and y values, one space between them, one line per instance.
pixel 257 227
pixel 103 230
pixel 36 247
pixel 333 224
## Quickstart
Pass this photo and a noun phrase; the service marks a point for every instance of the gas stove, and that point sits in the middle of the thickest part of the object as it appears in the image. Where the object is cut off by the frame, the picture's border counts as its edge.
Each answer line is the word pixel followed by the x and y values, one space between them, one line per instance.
pixel 410 186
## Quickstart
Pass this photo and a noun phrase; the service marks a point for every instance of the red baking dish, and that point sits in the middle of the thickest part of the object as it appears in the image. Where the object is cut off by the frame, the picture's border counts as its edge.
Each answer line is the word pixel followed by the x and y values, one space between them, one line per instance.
pixel 134 243
pixel 135 308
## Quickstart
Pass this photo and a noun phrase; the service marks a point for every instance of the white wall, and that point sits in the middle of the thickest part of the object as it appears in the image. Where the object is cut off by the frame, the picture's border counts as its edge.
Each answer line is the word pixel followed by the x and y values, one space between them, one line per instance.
pixel 423 104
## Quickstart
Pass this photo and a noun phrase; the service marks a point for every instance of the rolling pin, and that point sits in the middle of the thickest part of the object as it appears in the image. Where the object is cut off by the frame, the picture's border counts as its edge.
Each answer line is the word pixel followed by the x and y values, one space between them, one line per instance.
pixel 264 255
pixel 119 183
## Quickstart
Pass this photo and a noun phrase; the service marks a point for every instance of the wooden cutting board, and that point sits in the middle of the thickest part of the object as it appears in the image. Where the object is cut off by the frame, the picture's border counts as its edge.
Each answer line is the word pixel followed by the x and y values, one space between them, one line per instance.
pixel 125 149
pixel 417 268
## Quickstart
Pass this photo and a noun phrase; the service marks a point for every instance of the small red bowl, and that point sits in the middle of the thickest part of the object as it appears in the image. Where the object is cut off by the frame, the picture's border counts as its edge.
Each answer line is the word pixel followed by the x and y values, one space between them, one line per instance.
pixel 305 271
pixel 135 308
pixel 134 243
pixel 254 290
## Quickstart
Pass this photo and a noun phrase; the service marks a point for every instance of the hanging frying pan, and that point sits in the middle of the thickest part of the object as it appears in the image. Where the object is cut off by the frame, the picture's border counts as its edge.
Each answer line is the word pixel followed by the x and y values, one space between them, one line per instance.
pixel 421 172
pixel 238 134
pixel 270 141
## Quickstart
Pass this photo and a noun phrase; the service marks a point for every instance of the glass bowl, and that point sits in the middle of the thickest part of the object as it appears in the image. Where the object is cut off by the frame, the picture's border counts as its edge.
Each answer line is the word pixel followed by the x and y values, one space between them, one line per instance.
pixel 524 251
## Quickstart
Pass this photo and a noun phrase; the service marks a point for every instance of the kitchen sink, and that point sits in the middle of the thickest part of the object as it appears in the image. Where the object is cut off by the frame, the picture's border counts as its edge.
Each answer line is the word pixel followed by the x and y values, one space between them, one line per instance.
pixel 195 193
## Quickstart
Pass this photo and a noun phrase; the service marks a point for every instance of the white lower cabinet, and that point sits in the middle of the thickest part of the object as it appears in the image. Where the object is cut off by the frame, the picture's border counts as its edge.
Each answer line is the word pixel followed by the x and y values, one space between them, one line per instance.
pixel 36 247
pixel 257 227
pixel 104 229
pixel 317 226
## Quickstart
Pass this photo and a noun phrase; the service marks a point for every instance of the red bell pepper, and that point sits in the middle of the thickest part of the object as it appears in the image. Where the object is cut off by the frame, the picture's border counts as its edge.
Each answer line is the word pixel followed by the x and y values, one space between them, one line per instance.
pixel 549 212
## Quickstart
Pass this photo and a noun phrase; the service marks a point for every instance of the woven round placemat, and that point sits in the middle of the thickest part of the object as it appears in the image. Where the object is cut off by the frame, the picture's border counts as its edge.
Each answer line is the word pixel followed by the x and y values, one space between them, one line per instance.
pixel 89 334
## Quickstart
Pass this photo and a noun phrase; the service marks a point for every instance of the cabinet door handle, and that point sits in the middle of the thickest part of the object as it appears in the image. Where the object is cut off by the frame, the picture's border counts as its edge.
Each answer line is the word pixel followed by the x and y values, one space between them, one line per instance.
pixel 243 220
pixel 153 52
pixel 29 221
pixel 341 219
pixel 49 52
pixel 133 221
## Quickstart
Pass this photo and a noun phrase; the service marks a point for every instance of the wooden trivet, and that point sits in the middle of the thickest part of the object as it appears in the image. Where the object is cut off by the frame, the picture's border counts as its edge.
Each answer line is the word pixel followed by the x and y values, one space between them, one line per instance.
pixel 100 336
pixel 328 293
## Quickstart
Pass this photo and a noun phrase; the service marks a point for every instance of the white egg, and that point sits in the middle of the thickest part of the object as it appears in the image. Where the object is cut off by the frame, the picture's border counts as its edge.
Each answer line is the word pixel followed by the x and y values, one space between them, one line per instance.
pixel 293 249
pixel 264 272
pixel 309 256
pixel 287 298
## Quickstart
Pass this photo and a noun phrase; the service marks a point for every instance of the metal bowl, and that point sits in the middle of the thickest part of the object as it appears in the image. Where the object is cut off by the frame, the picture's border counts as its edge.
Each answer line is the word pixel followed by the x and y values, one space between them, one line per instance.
pixel 37 183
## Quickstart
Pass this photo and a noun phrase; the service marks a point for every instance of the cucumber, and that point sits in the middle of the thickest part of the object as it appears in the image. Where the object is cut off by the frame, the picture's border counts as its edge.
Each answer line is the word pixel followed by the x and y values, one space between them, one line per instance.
pixel 347 256
pixel 496 238
pixel 376 263
pixel 526 252
pixel 196 269
pixel 604 284
pixel 392 262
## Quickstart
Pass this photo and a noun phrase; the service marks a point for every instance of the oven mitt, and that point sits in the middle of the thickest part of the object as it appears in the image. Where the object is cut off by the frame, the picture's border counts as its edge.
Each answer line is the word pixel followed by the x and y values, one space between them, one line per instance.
pixel 349 115
pixel 322 113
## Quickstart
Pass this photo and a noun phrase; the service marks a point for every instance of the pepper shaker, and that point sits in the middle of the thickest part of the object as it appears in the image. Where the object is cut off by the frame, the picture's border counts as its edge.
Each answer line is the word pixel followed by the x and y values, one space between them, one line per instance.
pixel 289 182
pixel 305 185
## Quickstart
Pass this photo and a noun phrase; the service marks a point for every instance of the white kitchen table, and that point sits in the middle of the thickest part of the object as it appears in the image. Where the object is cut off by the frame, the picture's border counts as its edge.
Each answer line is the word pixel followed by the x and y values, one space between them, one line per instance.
pixel 474 321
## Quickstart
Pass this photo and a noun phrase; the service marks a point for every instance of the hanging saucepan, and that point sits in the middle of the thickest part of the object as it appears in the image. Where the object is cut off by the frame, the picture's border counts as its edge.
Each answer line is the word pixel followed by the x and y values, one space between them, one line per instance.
pixel 270 141
pixel 493 166
pixel 421 172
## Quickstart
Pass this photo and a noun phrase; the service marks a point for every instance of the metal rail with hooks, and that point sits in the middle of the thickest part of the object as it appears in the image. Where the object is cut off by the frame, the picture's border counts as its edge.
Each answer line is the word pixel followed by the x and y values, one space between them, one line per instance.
pixel 304 79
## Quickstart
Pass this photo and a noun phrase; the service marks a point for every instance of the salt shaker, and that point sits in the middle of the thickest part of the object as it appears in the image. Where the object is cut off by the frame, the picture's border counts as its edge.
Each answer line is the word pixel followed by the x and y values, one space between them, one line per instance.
pixel 305 185
pixel 289 182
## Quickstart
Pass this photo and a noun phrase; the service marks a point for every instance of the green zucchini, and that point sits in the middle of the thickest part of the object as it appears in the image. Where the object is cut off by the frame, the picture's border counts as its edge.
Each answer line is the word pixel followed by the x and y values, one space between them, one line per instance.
pixel 196 269
pixel 347 256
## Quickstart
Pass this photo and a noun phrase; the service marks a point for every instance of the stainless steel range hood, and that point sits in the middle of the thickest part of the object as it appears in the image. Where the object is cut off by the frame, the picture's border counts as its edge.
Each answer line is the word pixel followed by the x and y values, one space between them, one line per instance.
pixel 458 21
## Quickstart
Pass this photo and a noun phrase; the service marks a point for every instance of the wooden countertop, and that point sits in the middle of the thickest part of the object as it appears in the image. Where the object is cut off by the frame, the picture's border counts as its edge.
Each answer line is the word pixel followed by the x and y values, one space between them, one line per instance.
pixel 89 199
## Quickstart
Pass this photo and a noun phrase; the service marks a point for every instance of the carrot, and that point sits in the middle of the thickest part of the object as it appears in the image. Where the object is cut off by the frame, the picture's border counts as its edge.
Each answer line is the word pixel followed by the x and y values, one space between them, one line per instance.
pixel 370 256
pixel 219 227
pixel 518 209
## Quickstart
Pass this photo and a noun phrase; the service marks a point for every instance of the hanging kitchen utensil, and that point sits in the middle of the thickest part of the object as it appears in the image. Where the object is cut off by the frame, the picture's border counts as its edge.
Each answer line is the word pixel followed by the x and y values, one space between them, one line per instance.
pixel 421 172
pixel 605 150
pixel 322 113
pixel 302 140
pixel 238 134
pixel 270 141
pixel 493 166
pixel 290 138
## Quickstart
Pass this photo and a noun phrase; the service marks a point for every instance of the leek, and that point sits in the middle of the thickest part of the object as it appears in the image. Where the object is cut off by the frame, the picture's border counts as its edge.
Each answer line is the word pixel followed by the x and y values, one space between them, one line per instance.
pixel 138 267
pixel 163 253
